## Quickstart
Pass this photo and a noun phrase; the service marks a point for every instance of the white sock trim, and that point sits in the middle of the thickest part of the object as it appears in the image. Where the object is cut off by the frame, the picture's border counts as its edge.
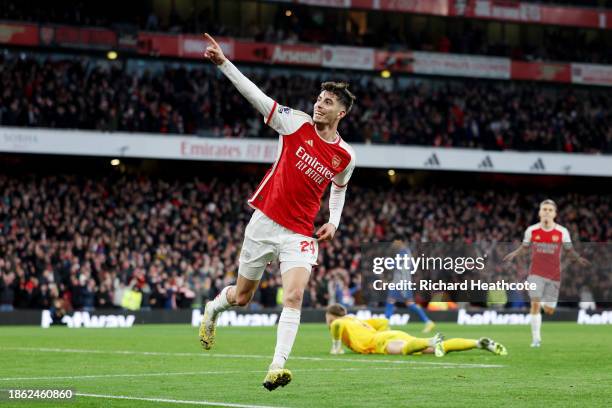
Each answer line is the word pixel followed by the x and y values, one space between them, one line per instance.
pixel 288 324
pixel 536 324
pixel 220 303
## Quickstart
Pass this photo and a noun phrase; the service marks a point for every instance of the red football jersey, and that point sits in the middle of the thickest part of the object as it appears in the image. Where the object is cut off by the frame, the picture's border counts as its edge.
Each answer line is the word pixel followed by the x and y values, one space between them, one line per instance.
pixel 290 193
pixel 546 249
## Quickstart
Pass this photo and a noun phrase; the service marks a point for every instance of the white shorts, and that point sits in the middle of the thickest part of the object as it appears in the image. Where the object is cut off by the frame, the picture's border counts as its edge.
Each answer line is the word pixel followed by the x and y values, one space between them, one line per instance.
pixel 546 291
pixel 266 241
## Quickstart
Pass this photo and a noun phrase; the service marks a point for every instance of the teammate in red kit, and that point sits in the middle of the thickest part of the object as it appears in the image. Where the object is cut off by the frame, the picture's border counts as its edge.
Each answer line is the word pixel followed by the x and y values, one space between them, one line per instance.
pixel 545 239
pixel 311 155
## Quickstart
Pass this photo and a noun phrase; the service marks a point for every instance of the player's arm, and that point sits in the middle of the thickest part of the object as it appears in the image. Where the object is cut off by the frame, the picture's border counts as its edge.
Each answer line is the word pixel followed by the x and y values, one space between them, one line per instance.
pixel 336 329
pixel 280 118
pixel 524 248
pixel 569 249
pixel 337 196
pixel 516 253
pixel 379 324
pixel 576 257
pixel 262 102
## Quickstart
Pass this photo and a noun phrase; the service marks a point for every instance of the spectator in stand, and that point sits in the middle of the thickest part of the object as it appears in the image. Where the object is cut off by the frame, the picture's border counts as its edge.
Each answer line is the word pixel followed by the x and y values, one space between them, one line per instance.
pixel 471 113
pixel 88 295
pixel 306 24
pixel 83 242
pixel 7 291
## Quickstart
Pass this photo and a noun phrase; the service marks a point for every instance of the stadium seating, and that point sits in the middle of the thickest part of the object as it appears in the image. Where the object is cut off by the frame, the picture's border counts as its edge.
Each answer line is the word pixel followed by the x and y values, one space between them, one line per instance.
pixel 86 240
pixel 308 25
pixel 90 94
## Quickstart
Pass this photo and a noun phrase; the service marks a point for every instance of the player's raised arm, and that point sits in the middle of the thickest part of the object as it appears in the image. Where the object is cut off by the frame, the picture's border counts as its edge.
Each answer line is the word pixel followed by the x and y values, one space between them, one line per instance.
pixel 262 102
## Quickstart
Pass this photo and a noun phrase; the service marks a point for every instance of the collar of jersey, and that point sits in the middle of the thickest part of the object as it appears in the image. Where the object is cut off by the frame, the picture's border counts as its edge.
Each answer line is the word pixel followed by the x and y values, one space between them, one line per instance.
pixel 542 225
pixel 335 141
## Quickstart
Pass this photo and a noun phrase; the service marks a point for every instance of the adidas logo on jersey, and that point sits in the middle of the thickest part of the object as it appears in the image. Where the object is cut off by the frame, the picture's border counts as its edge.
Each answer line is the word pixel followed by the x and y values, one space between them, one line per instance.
pixel 309 142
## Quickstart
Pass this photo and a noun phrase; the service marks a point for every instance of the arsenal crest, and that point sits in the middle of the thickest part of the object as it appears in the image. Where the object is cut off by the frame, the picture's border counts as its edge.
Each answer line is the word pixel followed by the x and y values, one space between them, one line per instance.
pixel 555 238
pixel 335 161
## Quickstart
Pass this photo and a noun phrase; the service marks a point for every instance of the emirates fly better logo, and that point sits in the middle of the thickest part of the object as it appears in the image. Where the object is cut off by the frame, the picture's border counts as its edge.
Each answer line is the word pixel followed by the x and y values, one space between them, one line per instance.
pixel 312 168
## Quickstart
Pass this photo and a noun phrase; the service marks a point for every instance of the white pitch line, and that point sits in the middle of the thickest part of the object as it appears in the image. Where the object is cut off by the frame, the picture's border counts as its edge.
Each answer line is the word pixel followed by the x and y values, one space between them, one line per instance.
pixel 84 377
pixel 254 356
pixel 166 374
pixel 172 401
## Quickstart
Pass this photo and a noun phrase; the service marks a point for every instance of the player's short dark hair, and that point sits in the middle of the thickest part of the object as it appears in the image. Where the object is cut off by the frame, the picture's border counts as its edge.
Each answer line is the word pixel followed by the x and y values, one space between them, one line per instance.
pixel 549 201
pixel 336 310
pixel 340 89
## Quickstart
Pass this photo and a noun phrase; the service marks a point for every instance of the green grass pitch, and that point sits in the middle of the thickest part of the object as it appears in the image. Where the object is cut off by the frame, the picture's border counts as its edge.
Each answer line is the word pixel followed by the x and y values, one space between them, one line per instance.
pixel 164 363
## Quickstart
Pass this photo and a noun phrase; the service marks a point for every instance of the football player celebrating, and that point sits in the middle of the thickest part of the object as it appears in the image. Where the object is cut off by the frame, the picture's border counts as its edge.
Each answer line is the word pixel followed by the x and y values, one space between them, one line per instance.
pixel 311 156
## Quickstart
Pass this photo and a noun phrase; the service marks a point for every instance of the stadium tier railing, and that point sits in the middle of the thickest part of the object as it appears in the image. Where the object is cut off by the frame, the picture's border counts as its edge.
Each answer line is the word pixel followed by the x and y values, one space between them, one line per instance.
pixel 325 56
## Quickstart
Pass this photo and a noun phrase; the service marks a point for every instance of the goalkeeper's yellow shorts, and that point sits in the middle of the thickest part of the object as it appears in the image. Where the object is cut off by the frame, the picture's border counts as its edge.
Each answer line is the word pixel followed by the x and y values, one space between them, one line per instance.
pixel 382 339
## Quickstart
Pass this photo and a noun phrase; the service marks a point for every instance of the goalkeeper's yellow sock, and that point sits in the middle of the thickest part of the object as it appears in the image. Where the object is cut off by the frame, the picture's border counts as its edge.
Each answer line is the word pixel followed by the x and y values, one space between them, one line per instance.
pixel 459 345
pixel 415 345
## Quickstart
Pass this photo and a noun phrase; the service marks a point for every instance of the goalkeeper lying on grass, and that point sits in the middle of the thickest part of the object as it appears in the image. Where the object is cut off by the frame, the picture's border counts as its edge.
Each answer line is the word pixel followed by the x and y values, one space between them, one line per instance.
pixel 373 336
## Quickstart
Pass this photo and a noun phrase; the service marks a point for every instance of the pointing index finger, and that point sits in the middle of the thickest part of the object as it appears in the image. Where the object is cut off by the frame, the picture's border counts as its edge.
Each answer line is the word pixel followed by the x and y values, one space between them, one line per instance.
pixel 210 39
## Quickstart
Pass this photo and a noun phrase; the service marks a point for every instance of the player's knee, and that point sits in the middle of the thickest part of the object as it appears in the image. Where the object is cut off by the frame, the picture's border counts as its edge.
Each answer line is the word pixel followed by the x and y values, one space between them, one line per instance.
pixel 548 310
pixel 535 307
pixel 243 298
pixel 293 298
pixel 395 347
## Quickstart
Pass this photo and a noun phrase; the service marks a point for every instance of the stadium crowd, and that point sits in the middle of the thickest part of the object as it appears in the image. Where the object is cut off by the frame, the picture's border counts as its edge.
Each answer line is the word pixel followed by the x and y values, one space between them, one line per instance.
pixel 93 94
pixel 307 24
pixel 75 242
